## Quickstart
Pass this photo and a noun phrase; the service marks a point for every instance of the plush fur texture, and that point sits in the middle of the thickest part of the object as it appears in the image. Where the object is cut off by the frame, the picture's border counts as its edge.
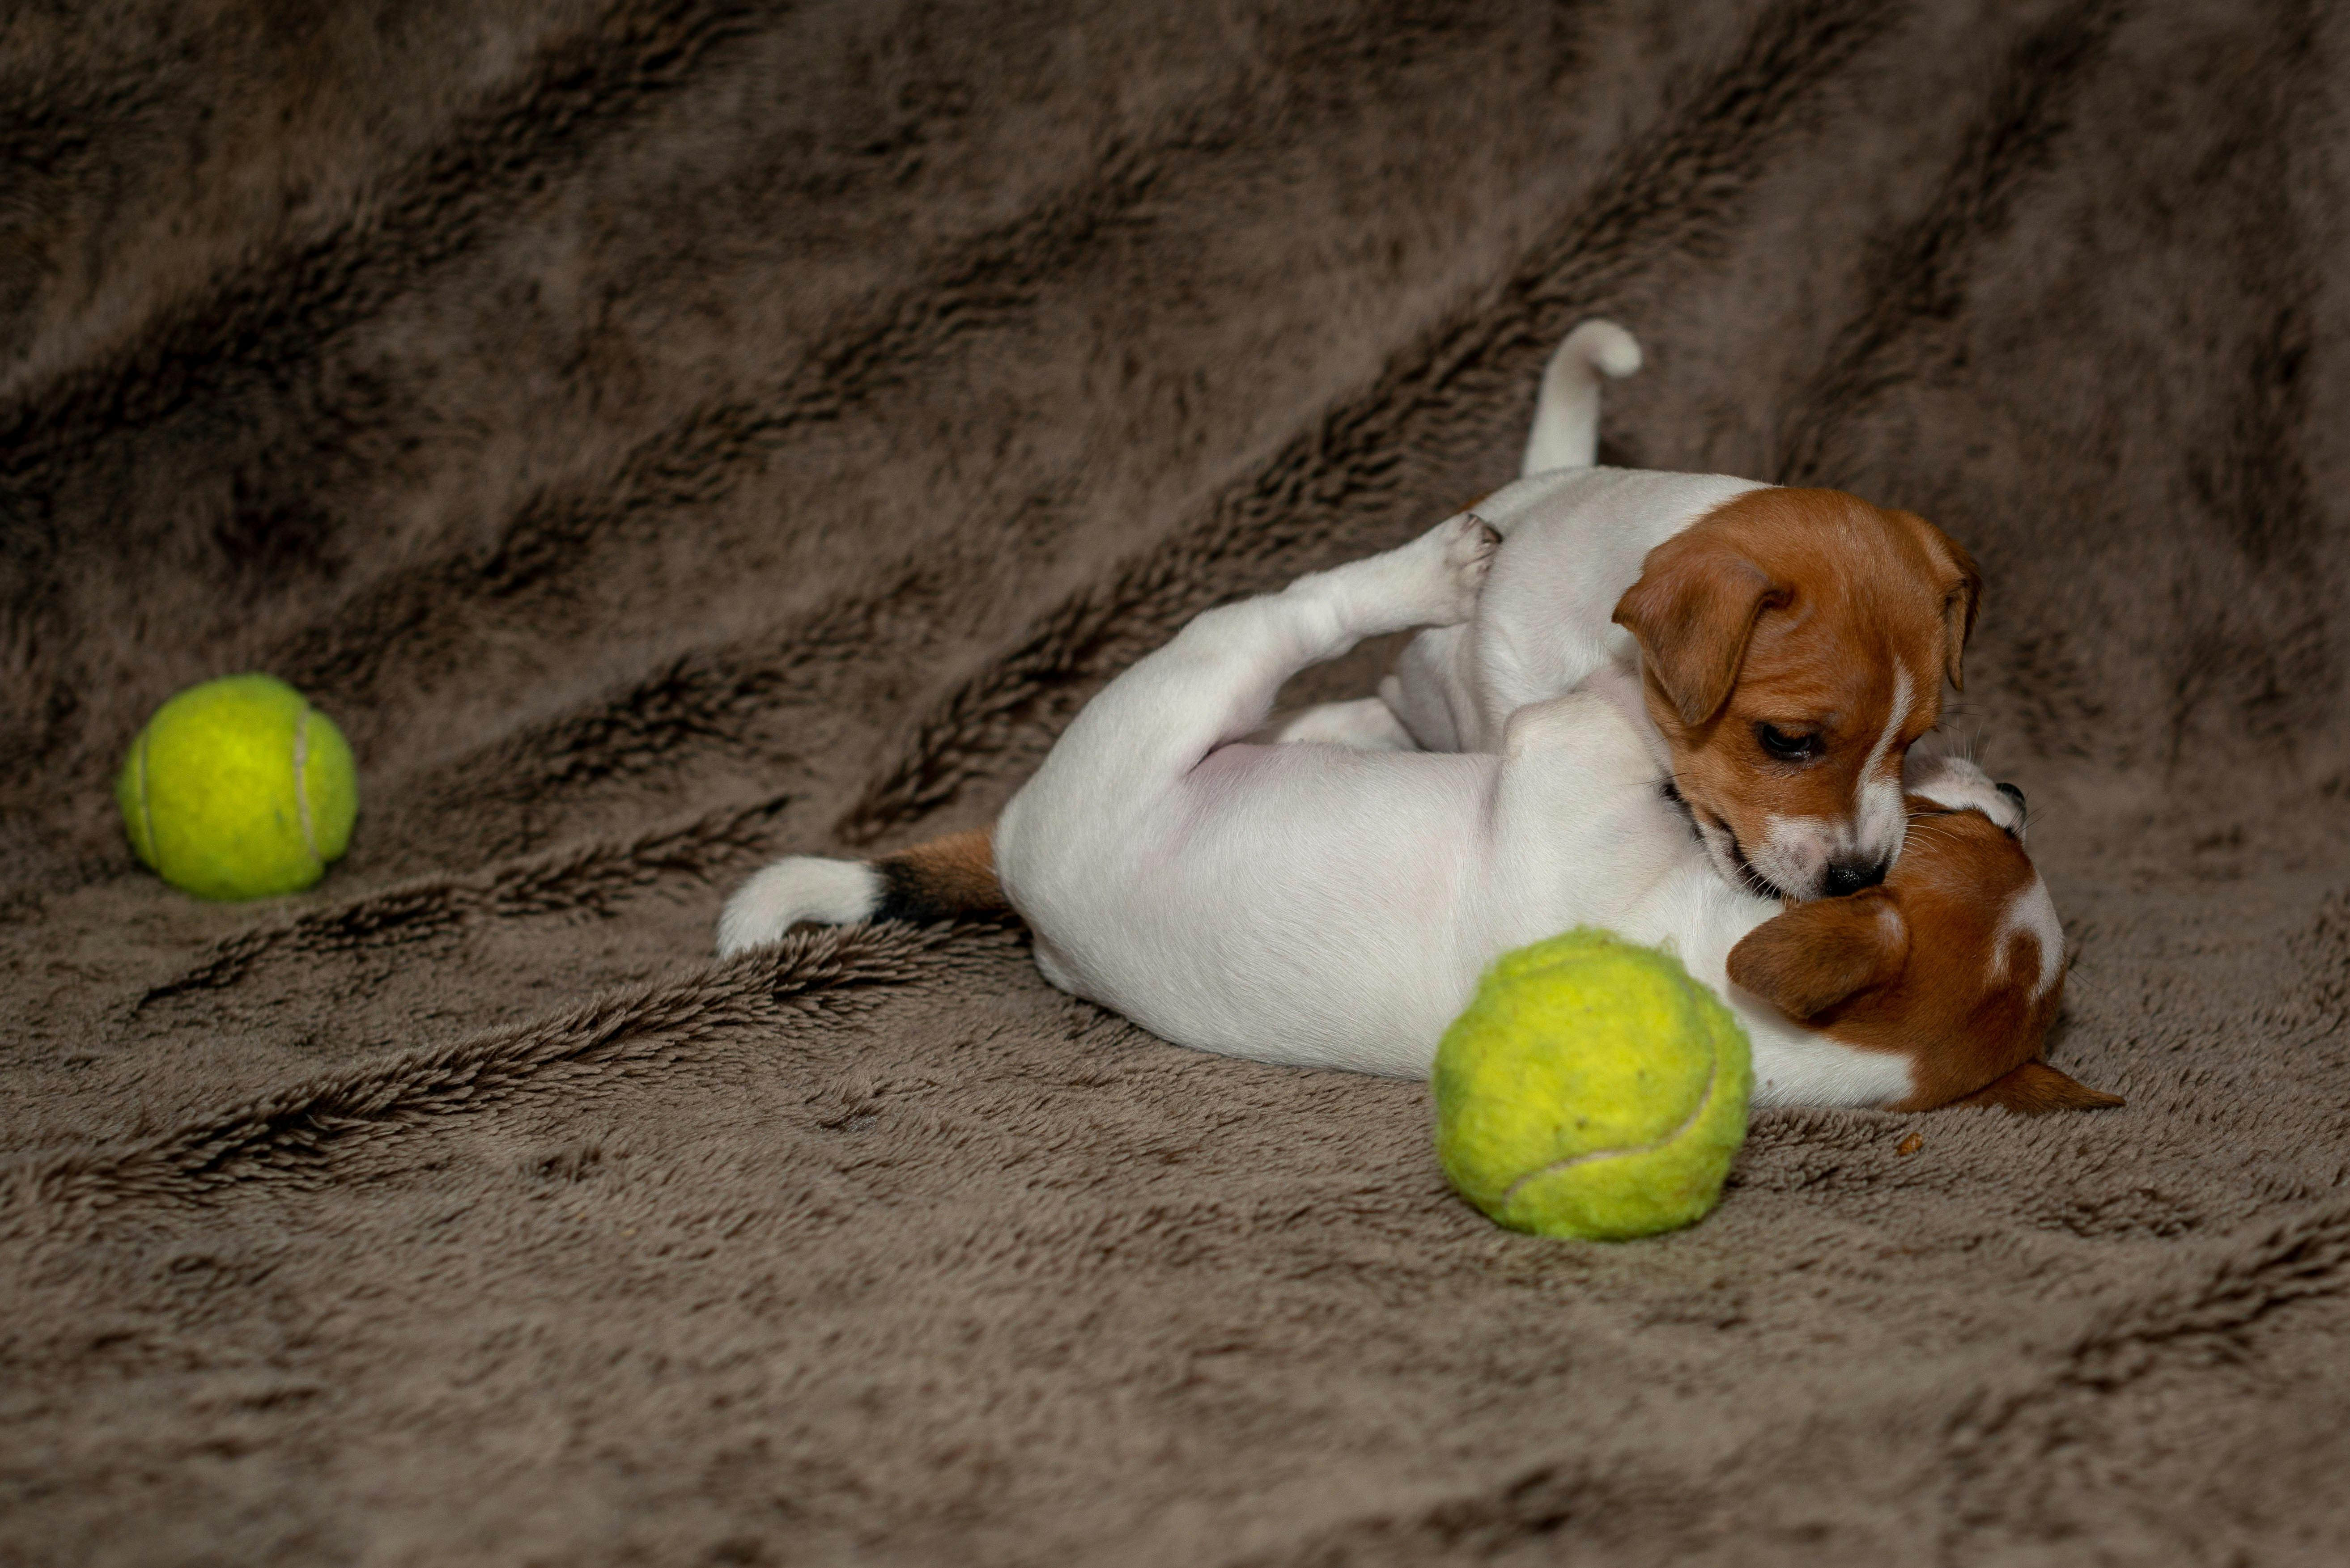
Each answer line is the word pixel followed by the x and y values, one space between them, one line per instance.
pixel 667 434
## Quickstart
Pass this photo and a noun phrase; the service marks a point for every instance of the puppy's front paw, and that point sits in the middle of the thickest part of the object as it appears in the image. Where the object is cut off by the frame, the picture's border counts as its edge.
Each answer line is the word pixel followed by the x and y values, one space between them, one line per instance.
pixel 1463 546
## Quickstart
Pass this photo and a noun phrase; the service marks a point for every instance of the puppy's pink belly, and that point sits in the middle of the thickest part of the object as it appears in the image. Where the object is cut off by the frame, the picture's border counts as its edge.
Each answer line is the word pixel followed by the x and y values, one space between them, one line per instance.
pixel 1287 875
pixel 1238 782
pixel 1232 764
pixel 1292 902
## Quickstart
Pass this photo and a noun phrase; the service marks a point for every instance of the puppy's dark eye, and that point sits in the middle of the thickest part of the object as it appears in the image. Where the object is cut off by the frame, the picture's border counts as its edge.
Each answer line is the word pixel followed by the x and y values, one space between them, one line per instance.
pixel 1787 745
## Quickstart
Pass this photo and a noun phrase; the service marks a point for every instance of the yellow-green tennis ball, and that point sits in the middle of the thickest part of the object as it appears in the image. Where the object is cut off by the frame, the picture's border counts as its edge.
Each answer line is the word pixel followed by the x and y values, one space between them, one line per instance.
pixel 239 789
pixel 1591 1089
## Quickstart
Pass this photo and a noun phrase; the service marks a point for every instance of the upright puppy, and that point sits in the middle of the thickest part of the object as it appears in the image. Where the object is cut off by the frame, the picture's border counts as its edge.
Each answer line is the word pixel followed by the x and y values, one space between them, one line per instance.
pixel 1792 643
pixel 1325 906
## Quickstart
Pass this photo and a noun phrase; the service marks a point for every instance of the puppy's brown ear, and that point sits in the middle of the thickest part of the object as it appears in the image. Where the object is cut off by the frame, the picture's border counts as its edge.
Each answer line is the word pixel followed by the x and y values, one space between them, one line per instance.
pixel 1693 613
pixel 1819 954
pixel 1961 595
pixel 2035 1089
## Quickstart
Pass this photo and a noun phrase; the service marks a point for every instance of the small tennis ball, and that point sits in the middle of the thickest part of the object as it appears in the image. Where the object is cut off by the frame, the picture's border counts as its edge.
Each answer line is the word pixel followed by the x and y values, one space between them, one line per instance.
pixel 239 789
pixel 1591 1089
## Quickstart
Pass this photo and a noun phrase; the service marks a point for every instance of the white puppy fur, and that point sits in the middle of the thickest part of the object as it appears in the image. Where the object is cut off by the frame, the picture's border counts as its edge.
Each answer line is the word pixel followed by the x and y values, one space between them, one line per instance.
pixel 1321 905
pixel 799 887
pixel 1575 539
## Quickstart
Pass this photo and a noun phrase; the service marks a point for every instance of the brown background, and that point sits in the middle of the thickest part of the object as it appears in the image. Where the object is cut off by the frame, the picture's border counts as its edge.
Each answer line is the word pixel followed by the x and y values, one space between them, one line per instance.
pixel 668 432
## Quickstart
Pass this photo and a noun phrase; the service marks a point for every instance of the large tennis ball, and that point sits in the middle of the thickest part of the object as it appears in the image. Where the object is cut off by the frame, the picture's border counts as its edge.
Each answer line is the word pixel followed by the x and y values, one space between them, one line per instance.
pixel 239 789
pixel 1591 1089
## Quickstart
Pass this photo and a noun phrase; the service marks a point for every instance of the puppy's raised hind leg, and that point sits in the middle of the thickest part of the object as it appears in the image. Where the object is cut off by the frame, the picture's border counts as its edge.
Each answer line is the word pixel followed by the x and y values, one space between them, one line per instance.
pixel 1432 581
pixel 1257 645
pixel 1215 682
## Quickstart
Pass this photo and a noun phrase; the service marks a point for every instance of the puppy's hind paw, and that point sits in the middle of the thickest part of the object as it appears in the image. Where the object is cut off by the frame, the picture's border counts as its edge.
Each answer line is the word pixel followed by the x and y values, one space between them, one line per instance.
pixel 1431 581
pixel 1463 546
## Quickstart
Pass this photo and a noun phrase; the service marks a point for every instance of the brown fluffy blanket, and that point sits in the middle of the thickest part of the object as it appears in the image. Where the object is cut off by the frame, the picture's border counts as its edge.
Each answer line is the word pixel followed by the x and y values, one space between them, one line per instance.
pixel 669 432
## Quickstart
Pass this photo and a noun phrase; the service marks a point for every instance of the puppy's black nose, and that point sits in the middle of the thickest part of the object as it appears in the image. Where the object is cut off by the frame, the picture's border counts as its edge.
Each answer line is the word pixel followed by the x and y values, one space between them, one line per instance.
pixel 1852 875
pixel 2012 794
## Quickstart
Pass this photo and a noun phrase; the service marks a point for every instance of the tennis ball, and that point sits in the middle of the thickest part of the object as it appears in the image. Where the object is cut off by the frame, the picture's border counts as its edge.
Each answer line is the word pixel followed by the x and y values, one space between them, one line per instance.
pixel 1591 1089
pixel 238 789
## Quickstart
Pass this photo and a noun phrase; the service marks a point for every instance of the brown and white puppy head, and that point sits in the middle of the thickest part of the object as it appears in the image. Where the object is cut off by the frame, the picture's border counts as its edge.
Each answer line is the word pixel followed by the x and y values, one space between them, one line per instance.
pixel 1792 645
pixel 1956 961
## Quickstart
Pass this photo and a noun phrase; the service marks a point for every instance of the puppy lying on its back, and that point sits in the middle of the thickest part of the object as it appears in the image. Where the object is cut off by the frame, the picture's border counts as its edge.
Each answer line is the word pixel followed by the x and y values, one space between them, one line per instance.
pixel 1792 643
pixel 1324 906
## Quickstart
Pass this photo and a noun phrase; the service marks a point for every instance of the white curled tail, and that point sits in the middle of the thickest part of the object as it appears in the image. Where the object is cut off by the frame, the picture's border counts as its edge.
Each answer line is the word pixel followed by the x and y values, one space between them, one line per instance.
pixel 1566 415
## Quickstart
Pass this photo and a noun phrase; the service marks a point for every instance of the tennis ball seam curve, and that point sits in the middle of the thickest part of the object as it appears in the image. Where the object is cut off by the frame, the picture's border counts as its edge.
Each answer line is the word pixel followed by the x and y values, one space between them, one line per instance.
pixel 1712 1077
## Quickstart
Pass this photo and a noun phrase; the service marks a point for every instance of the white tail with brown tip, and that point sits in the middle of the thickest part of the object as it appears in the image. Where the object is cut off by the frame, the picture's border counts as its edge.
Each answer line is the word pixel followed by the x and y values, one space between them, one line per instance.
pixel 945 879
